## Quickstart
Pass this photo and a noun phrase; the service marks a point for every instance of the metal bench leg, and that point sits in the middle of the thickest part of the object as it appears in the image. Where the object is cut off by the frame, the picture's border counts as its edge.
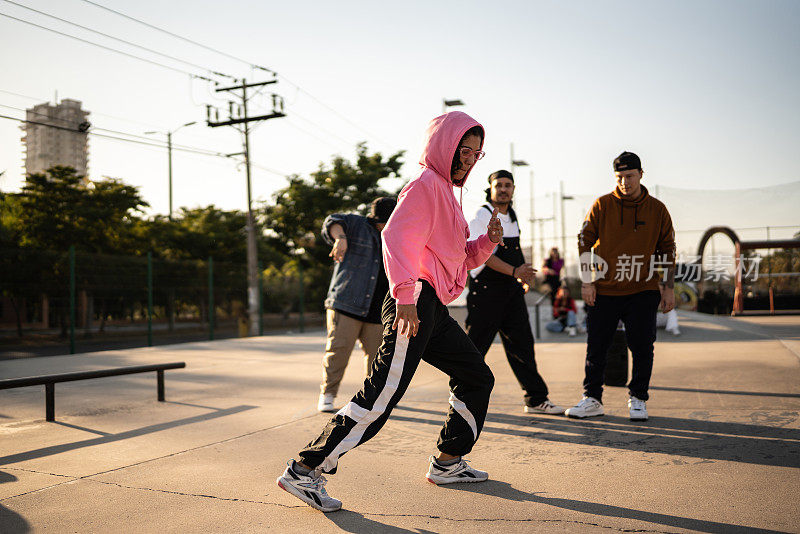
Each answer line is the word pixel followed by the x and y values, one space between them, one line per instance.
pixel 160 385
pixel 50 401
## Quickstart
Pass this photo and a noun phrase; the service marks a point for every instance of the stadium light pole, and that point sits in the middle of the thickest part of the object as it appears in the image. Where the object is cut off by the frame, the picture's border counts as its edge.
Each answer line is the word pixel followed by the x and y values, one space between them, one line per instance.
pixel 169 157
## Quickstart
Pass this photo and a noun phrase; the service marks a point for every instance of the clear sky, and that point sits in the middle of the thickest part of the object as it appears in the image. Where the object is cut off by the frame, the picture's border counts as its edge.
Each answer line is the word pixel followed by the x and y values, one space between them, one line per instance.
pixel 706 92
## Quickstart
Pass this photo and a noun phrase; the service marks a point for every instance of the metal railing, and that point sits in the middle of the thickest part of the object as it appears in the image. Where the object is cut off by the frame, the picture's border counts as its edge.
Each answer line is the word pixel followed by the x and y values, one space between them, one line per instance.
pixel 49 381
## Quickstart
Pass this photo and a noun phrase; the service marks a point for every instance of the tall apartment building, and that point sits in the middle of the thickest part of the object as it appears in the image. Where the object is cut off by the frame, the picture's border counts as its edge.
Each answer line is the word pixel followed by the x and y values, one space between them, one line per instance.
pixel 46 145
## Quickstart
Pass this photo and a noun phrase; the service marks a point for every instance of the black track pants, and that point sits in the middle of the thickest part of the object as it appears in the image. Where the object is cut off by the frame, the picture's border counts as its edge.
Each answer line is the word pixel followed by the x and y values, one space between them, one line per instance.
pixel 638 314
pixel 490 312
pixel 442 343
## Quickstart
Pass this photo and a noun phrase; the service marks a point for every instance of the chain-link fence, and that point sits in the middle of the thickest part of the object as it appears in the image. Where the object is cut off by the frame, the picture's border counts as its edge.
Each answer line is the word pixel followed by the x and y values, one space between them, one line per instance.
pixel 56 302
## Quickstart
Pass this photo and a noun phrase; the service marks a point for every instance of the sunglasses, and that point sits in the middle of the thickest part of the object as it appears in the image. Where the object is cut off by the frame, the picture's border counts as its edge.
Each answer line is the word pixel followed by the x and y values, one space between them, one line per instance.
pixel 465 152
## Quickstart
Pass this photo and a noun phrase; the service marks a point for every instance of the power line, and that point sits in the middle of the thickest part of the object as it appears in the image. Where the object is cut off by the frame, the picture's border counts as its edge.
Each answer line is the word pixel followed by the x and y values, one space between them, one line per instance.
pixel 94 128
pixel 340 115
pixel 318 138
pixel 325 130
pixel 151 143
pixel 173 58
pixel 97 113
pixel 248 63
pixel 162 65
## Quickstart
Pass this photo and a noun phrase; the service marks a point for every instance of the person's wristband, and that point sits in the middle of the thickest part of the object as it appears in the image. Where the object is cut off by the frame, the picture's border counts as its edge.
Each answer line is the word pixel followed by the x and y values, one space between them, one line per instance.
pixel 514 272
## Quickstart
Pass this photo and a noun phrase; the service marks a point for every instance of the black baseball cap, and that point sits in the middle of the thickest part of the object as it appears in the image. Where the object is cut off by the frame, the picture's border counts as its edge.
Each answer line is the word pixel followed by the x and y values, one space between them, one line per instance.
pixel 500 174
pixel 627 161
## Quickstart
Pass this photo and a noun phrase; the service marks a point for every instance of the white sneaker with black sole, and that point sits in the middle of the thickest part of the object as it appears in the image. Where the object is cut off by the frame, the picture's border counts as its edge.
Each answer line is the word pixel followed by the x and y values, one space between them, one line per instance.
pixel 638 409
pixel 587 407
pixel 458 472
pixel 546 407
pixel 309 489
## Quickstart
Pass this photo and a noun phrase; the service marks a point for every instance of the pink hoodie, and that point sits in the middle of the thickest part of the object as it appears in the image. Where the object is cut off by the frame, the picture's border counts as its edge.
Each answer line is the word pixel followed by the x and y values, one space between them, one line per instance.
pixel 426 236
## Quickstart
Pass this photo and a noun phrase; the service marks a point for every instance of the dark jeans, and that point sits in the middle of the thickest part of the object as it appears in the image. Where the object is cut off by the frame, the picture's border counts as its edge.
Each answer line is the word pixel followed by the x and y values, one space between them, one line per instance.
pixel 638 314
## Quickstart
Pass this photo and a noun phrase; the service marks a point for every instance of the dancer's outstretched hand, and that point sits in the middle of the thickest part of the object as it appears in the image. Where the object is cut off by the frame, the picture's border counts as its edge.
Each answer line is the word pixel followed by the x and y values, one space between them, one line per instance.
pixel 495 229
pixel 339 250
pixel 406 319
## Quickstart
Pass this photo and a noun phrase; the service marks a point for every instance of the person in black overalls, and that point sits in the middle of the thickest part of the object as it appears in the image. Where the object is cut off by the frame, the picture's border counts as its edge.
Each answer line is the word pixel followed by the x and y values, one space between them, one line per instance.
pixel 496 298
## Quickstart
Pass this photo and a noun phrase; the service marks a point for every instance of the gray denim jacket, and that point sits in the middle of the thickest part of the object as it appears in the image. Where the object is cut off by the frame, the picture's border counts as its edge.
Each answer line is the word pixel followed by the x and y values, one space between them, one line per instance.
pixel 354 278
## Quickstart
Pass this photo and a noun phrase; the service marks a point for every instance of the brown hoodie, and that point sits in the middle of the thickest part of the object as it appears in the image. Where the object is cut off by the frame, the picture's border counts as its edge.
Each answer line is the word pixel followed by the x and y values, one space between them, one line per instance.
pixel 617 227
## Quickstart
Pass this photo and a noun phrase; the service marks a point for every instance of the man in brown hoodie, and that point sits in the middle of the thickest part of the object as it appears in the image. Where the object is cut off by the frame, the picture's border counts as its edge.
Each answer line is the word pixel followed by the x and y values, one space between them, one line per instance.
pixel 626 238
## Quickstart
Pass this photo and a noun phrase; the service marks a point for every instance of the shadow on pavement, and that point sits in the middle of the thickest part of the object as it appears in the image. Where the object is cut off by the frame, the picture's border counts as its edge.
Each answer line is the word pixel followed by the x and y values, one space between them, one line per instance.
pixel 350 521
pixel 83 428
pixel 729 392
pixel 693 438
pixel 109 438
pixel 504 490
pixel 10 521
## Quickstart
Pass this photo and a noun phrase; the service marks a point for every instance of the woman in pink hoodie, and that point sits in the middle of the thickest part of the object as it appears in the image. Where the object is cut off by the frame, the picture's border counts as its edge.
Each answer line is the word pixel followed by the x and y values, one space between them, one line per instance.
pixel 427 254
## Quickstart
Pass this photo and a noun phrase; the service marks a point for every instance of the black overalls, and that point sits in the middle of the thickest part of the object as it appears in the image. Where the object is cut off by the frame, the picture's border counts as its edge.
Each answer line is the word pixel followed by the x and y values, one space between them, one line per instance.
pixel 496 303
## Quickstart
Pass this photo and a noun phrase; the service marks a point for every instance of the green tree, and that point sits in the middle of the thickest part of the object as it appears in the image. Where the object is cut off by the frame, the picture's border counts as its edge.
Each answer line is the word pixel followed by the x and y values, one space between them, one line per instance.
pixel 60 208
pixel 293 223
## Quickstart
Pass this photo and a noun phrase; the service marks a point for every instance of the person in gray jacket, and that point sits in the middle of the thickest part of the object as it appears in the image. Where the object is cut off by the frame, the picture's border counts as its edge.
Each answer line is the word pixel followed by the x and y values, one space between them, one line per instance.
pixel 356 292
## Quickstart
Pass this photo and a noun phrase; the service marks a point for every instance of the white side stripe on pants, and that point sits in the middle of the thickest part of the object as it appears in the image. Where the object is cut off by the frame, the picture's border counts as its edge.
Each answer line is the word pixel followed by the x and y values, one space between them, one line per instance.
pixel 462 410
pixel 365 417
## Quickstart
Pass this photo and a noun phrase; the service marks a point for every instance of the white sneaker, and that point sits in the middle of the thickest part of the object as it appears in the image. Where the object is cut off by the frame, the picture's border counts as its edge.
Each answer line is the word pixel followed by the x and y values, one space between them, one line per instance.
pixel 571 330
pixel 638 409
pixel 674 331
pixel 587 407
pixel 458 472
pixel 309 489
pixel 325 403
pixel 545 407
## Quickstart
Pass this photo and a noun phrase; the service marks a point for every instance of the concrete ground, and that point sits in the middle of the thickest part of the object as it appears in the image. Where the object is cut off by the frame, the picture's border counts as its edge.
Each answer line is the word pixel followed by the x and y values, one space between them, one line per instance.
pixel 719 454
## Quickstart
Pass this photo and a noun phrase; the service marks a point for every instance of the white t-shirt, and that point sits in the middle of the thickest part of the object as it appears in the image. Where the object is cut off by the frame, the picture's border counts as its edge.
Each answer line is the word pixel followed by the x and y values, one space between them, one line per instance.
pixel 478 224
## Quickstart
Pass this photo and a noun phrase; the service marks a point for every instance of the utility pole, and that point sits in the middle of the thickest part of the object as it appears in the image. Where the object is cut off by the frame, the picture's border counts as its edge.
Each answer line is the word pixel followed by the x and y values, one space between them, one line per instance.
pixel 563 197
pixel 237 114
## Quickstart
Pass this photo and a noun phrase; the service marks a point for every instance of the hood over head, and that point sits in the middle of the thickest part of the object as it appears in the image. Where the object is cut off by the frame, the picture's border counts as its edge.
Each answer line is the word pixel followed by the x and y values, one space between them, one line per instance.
pixel 443 135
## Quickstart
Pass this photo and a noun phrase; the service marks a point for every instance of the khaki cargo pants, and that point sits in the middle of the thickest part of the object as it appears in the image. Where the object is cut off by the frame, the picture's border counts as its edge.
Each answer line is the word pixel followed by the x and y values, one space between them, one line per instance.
pixel 343 332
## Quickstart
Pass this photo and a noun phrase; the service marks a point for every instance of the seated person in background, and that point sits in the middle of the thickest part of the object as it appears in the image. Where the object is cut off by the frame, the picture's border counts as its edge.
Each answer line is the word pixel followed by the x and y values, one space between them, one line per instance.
pixel 564 313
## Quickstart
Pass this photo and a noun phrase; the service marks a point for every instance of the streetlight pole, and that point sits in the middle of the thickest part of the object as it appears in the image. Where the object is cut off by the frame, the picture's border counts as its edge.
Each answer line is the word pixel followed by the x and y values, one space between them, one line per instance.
pixel 523 163
pixel 169 157
pixel 169 164
pixel 563 197
pixel 532 218
pixel 450 103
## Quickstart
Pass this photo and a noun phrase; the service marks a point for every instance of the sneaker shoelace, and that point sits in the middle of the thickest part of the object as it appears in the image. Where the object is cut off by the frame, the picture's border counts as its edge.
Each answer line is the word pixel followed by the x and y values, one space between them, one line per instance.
pixel 319 484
